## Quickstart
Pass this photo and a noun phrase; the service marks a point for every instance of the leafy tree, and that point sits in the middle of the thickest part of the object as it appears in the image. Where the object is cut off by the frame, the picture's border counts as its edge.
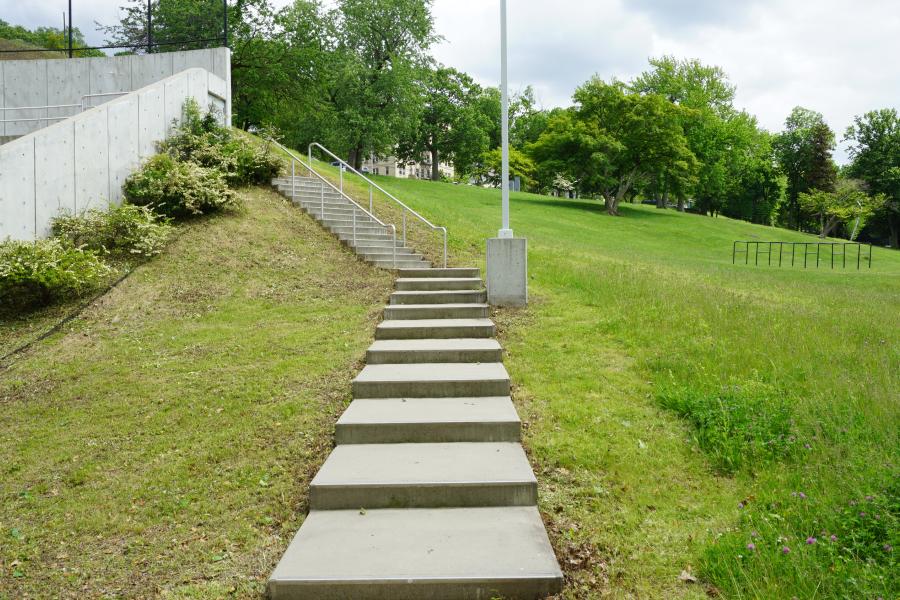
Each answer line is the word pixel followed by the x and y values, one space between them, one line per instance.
pixel 846 202
pixel 382 48
pixel 804 152
pixel 520 165
pixel 176 24
pixel 450 128
pixel 875 155
pixel 688 83
pixel 612 138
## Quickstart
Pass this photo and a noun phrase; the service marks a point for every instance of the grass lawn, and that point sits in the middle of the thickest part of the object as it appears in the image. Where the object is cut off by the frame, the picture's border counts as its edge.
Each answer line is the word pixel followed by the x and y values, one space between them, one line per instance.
pixel 162 443
pixel 685 414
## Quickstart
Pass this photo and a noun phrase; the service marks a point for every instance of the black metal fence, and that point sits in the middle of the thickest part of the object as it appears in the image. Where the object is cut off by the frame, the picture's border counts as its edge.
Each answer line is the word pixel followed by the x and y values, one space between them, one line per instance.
pixel 150 45
pixel 774 253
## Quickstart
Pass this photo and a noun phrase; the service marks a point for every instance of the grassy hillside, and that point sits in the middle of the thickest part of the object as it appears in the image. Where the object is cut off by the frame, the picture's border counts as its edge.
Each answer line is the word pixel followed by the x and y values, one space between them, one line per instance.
pixel 161 445
pixel 685 414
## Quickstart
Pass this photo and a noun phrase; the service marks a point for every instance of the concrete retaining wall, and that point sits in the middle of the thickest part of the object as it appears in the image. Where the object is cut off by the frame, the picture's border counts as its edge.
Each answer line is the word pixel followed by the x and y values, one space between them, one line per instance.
pixel 77 81
pixel 82 162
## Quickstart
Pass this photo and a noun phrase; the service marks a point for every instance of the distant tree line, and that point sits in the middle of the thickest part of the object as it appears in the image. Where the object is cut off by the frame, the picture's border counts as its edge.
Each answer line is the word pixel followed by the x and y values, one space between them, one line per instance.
pixel 47 38
pixel 357 75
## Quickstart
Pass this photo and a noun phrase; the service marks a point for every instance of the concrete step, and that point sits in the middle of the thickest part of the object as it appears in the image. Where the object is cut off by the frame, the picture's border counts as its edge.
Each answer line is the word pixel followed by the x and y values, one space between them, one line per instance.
pixel 484 350
pixel 361 222
pixel 439 297
pixel 369 241
pixel 432 380
pixel 450 272
pixel 429 420
pixel 436 311
pixel 424 476
pixel 432 284
pixel 418 329
pixel 404 253
pixel 416 554
pixel 405 264
pixel 360 230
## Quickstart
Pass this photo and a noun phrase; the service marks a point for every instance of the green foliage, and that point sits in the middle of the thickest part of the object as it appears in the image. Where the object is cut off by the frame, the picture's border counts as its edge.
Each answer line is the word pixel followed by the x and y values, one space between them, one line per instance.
pixel 178 189
pixel 34 274
pixel 875 155
pixel 843 545
pixel 519 166
pixel 741 425
pixel 804 152
pixel 123 232
pixel 200 139
pixel 848 201
pixel 48 38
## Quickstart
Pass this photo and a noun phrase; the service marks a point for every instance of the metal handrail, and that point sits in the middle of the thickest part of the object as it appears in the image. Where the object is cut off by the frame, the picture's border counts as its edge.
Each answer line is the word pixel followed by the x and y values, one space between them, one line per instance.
pixel 55 106
pixel 372 184
pixel 308 167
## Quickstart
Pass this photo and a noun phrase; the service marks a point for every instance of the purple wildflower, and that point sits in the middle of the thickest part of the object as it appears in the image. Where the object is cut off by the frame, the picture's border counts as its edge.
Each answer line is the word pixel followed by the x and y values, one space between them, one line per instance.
pixel 785 550
pixel 862 514
pixel 802 496
pixel 754 534
pixel 833 538
pixel 751 546
pixel 807 446
pixel 810 541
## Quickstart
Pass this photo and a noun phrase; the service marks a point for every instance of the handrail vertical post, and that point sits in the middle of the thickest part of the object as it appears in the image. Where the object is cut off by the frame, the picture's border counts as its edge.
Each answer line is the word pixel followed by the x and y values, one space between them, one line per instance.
pixel 870 256
pixel 354 227
pixel 756 255
pixel 805 254
pixel 404 226
pixel 832 256
pixel 322 199
pixel 780 253
pixel 793 252
pixel 342 178
pixel 445 247
pixel 371 205
pixel 818 253
pixel 858 256
pixel 770 254
pixel 293 180
pixel 733 252
pixel 394 244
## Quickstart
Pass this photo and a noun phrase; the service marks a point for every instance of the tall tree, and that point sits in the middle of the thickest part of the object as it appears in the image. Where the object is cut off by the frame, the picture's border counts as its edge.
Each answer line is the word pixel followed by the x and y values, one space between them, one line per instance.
pixel 848 201
pixel 449 128
pixel 875 155
pixel 383 45
pixel 688 83
pixel 804 151
pixel 612 138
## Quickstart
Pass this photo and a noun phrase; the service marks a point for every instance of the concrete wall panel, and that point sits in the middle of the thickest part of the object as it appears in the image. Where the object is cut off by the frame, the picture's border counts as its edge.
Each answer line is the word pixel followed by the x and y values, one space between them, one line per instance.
pixel 68 81
pixel 198 87
pixel 92 154
pixel 17 190
pixel 150 68
pixel 54 175
pixel 110 75
pixel 176 92
pixel 202 59
pixel 124 137
pixel 24 84
pixel 152 120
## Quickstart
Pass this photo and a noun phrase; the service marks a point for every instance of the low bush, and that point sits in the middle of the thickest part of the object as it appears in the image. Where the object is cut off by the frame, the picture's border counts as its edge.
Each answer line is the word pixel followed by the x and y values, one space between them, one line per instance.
pixel 737 425
pixel 175 188
pixel 202 140
pixel 34 274
pixel 122 232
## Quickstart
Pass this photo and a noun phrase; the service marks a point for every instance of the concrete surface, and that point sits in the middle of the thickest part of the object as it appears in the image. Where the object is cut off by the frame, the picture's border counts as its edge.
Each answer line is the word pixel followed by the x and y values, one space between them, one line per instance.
pixel 460 350
pixel 507 272
pixel 419 554
pixel 433 380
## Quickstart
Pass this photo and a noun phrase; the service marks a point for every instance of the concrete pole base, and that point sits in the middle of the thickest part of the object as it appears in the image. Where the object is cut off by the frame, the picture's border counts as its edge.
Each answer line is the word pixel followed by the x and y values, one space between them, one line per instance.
pixel 507 271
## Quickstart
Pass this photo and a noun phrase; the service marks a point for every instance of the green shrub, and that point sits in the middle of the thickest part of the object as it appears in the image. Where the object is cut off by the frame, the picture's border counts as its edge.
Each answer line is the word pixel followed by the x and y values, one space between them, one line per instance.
pixel 125 231
pixel 175 188
pixel 38 273
pixel 200 139
pixel 737 425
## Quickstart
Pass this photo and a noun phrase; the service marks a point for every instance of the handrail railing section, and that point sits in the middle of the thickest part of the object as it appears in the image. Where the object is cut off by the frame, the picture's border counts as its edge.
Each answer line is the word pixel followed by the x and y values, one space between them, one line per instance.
pixel 373 186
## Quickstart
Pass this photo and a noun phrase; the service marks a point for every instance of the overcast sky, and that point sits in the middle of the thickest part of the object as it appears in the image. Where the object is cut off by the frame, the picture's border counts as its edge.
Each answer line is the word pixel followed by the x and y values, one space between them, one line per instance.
pixel 839 57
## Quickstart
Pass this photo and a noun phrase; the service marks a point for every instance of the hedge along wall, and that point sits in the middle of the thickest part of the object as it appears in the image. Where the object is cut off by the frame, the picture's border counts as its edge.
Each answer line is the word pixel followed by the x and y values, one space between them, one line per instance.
pixel 82 162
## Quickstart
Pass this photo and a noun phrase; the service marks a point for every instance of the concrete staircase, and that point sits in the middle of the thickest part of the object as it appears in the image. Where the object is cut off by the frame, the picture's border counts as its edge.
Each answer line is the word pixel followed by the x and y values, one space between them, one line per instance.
pixel 371 241
pixel 428 493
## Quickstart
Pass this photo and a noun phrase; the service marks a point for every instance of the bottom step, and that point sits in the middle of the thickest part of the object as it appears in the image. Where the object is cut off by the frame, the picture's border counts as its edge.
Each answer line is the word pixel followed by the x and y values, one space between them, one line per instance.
pixel 411 554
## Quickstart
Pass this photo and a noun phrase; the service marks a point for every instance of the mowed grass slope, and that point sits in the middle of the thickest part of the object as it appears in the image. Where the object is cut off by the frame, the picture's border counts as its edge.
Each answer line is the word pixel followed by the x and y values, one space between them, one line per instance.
pixel 687 414
pixel 162 444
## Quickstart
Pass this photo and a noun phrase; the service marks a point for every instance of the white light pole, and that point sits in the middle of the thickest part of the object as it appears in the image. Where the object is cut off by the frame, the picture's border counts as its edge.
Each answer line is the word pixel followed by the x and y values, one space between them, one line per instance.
pixel 507 256
pixel 505 231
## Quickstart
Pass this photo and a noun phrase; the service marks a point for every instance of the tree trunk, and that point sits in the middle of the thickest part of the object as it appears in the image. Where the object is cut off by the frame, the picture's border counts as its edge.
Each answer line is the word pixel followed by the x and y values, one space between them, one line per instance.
pixel 435 171
pixel 356 157
pixel 681 205
pixel 894 225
